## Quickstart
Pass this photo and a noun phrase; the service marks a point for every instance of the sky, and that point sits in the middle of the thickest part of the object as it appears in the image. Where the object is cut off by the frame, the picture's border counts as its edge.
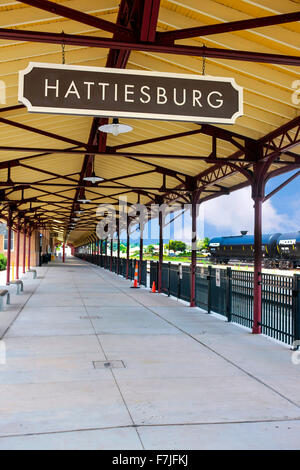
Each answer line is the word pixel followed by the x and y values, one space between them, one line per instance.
pixel 228 215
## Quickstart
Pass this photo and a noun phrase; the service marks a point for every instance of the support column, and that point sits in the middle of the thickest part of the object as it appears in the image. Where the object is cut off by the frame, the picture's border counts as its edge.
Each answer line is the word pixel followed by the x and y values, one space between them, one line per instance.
pixel 193 252
pixel 29 246
pixel 101 253
pixel 64 253
pixel 141 251
pixel 118 250
pixel 257 265
pixel 111 252
pixel 127 250
pixel 24 249
pixel 258 192
pixel 161 250
pixel 105 253
pixel 9 224
pixel 18 251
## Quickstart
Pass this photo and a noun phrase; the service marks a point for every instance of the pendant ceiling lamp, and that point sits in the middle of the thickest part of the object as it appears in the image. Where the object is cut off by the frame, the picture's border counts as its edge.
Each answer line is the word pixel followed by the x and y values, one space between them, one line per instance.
pixel 93 178
pixel 82 199
pixel 115 128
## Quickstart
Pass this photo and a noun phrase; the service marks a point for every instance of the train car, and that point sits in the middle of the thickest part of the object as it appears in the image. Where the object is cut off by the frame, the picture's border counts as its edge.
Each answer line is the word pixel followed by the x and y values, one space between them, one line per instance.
pixel 288 250
pixel 241 247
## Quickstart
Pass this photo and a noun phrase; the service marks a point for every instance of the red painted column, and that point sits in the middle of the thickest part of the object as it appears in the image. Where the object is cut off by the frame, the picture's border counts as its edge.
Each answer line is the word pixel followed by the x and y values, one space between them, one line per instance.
pixel 18 252
pixel 258 192
pixel 111 252
pixel 193 252
pixel 161 250
pixel 29 247
pixel 141 251
pixel 127 250
pixel 9 223
pixel 118 250
pixel 101 252
pixel 105 252
pixel 64 253
pixel 257 265
pixel 24 249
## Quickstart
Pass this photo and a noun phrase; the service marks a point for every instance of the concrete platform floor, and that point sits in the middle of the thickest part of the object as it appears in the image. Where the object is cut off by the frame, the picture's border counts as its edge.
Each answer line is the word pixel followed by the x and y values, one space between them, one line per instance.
pixel 190 381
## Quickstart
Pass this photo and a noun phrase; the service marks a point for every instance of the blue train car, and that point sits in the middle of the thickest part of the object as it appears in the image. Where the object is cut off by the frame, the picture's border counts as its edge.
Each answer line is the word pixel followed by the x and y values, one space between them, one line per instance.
pixel 241 247
pixel 288 249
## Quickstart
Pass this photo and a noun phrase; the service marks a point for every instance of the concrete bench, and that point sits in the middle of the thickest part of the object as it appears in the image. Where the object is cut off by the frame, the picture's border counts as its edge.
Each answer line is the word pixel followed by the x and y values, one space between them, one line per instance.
pixel 19 284
pixel 33 271
pixel 3 293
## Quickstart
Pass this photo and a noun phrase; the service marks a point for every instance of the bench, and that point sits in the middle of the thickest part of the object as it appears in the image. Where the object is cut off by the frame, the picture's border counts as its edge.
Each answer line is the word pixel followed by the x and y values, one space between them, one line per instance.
pixel 33 271
pixel 19 284
pixel 3 293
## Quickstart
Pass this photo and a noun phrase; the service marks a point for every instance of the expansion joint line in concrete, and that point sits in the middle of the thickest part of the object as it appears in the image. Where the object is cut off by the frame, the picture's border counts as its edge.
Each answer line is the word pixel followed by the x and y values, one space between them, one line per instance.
pixel 23 306
pixel 165 425
pixel 111 370
pixel 210 348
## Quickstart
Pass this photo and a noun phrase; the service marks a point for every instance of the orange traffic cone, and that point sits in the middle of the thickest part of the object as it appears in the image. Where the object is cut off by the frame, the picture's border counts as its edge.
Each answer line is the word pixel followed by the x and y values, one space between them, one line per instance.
pixel 153 287
pixel 136 274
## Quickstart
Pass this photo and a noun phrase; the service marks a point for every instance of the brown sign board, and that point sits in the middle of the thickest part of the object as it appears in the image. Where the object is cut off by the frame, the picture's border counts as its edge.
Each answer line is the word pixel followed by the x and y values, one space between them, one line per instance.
pixel 105 92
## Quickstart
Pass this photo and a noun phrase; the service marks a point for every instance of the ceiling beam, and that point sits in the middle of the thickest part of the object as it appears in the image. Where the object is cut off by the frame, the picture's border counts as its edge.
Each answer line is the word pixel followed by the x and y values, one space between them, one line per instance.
pixel 11 108
pixel 228 27
pixel 207 159
pixel 282 185
pixel 149 20
pixel 154 139
pixel 41 132
pixel 127 46
pixel 80 17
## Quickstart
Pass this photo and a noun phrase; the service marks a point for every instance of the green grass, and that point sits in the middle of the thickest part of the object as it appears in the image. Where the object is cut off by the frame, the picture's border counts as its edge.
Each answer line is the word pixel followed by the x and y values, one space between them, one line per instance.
pixel 176 259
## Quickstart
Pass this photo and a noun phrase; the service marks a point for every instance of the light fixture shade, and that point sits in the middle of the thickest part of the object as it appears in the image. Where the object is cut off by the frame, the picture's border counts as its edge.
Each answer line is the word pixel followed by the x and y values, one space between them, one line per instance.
pixel 115 128
pixel 84 201
pixel 93 178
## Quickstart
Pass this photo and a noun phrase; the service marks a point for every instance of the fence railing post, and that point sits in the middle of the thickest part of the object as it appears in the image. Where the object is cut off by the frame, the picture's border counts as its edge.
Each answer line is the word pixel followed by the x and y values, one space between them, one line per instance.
pixel 209 289
pixel 179 273
pixel 228 293
pixel 169 278
pixel 296 308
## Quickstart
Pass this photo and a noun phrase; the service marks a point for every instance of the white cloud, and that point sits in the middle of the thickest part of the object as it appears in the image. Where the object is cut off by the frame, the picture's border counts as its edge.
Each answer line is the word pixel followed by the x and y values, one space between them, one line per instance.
pixel 235 212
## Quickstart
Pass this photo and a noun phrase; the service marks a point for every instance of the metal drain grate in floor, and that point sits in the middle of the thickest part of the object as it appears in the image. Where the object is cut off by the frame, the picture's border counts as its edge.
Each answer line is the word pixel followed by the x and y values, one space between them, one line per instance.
pixel 95 317
pixel 108 364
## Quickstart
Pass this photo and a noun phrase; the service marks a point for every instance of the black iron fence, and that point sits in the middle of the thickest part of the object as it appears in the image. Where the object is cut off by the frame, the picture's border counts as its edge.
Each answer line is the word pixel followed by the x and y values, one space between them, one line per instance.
pixel 230 293
pixel 224 291
pixel 118 265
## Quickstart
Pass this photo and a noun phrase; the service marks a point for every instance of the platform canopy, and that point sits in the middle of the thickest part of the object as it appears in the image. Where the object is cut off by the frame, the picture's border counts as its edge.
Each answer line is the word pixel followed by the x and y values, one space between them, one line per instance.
pixel 44 157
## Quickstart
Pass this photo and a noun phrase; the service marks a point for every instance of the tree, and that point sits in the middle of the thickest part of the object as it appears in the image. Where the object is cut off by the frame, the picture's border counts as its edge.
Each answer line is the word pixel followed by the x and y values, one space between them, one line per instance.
pixel 123 248
pixel 176 245
pixel 150 249
pixel 203 244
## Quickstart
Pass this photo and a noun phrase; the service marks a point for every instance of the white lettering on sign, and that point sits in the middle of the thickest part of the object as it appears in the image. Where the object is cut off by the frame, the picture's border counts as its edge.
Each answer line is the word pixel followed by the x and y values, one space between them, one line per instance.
pixel 89 88
pixel 219 102
pixel 128 91
pixel 103 86
pixel 161 95
pixel 143 92
pixel 287 242
pixel 196 98
pixel 100 91
pixel 51 87
pixel 183 97
pixel 132 93
pixel 214 244
pixel 72 90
